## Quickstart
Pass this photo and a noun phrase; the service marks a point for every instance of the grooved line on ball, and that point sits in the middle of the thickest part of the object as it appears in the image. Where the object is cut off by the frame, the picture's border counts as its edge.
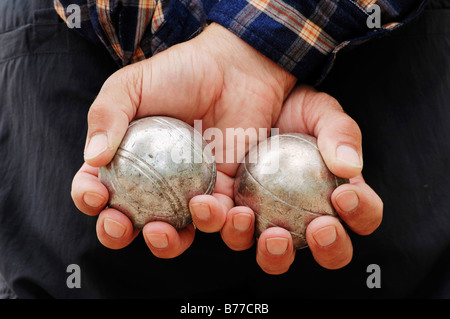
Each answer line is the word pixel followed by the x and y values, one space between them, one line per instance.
pixel 212 170
pixel 276 197
pixel 315 146
pixel 302 139
pixel 121 192
pixel 183 136
pixel 168 192
pixel 159 120
pixel 265 219
pixel 212 181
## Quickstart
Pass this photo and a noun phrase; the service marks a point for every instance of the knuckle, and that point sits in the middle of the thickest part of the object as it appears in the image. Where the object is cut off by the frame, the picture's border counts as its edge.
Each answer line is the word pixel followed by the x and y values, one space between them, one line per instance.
pixel 131 82
pixel 372 217
pixel 97 113
pixel 334 121
pixel 274 268
pixel 321 99
pixel 335 260
pixel 366 228
pixel 363 221
pixel 347 126
pixel 238 244
pixel 372 225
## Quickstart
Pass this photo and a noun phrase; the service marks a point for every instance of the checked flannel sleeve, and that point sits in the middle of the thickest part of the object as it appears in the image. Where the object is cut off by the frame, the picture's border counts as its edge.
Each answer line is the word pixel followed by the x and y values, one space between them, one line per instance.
pixel 302 36
pixel 133 30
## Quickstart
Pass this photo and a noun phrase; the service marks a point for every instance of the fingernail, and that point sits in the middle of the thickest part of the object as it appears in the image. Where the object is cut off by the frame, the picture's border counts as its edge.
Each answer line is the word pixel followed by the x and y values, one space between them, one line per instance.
pixel 113 228
pixel 325 236
pixel 201 211
pixel 158 240
pixel 93 199
pixel 277 245
pixel 348 155
pixel 98 143
pixel 347 201
pixel 242 221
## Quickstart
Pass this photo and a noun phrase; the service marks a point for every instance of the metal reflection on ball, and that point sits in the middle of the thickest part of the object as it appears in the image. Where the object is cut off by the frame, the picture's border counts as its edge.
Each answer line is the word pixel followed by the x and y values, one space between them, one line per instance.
pixel 285 181
pixel 160 165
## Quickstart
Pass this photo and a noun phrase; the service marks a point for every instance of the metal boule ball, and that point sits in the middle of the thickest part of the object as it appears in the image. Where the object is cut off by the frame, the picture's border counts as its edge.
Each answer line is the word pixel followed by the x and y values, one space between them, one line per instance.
pixel 285 181
pixel 160 165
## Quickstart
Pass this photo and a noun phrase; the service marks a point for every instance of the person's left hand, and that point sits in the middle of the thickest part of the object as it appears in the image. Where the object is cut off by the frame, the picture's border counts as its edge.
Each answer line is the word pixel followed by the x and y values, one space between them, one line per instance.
pixel 360 208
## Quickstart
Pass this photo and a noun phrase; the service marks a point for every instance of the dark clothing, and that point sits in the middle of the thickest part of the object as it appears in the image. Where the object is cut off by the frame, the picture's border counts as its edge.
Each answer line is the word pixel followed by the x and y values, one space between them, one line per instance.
pixel 397 88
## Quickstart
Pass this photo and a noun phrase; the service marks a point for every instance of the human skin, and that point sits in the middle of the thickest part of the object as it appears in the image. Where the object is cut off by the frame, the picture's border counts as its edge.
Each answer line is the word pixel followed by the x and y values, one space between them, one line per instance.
pixel 221 80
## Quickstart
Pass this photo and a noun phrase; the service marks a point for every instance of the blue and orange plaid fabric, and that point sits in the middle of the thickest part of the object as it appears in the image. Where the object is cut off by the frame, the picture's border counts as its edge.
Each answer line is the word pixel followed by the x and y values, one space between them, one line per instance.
pixel 302 36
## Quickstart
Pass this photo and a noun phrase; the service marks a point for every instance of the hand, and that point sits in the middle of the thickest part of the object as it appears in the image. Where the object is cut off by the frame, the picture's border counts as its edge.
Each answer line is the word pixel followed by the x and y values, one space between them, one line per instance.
pixel 215 77
pixel 339 140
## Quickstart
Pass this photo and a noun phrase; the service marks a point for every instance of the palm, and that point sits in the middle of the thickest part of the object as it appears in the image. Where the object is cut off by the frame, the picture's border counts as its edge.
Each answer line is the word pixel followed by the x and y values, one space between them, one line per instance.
pixel 221 99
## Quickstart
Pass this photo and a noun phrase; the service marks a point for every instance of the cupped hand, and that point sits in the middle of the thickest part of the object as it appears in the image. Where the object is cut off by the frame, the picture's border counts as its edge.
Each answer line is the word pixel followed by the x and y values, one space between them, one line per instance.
pixel 216 78
pixel 358 206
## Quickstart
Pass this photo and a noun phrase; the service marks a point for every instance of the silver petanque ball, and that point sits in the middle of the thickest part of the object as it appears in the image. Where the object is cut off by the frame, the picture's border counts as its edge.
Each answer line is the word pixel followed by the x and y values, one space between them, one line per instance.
pixel 285 181
pixel 159 166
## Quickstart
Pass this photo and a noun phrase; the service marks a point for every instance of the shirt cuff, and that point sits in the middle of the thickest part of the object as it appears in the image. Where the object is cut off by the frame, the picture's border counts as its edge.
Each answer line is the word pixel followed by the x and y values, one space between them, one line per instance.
pixel 304 37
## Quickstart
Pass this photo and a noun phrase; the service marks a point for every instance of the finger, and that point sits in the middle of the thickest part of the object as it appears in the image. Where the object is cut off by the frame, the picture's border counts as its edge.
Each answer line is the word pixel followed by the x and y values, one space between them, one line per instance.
pixel 275 251
pixel 224 184
pixel 88 193
pixel 330 244
pixel 150 87
pixel 114 229
pixel 339 142
pixel 165 241
pixel 209 211
pixel 238 231
pixel 338 135
pixel 359 206
pixel 111 113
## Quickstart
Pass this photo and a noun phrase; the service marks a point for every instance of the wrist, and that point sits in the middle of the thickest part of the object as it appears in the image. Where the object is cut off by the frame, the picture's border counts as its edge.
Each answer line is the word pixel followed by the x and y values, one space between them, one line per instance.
pixel 235 55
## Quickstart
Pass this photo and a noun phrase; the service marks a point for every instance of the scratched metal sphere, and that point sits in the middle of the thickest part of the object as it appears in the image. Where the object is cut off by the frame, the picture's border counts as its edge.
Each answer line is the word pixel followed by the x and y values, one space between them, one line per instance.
pixel 160 165
pixel 285 181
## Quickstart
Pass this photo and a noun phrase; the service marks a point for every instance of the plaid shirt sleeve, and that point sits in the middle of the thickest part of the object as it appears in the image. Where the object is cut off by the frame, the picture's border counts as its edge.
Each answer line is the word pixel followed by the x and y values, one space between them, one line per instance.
pixel 302 36
pixel 133 30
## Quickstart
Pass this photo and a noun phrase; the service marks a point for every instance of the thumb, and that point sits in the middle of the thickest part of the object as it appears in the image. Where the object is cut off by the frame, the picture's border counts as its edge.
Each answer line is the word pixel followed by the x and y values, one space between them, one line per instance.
pixel 170 83
pixel 338 135
pixel 339 141
pixel 110 114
